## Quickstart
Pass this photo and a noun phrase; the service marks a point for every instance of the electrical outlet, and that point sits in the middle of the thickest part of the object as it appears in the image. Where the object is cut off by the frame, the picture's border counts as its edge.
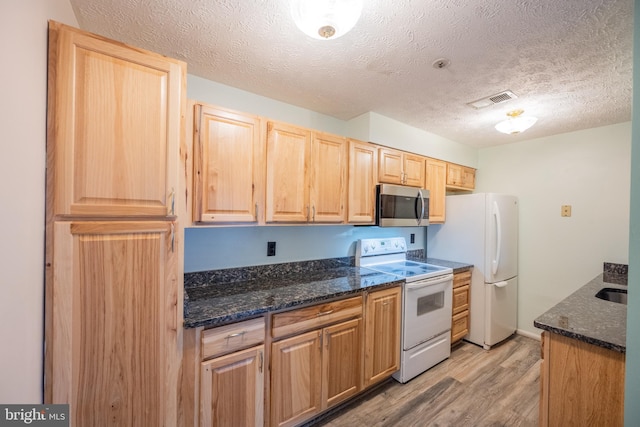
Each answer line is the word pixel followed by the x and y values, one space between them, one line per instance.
pixel 565 210
pixel 271 248
pixel 412 238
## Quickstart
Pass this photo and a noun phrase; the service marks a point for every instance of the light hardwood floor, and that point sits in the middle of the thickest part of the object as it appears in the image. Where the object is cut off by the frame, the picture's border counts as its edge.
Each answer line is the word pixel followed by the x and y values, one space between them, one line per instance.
pixel 500 387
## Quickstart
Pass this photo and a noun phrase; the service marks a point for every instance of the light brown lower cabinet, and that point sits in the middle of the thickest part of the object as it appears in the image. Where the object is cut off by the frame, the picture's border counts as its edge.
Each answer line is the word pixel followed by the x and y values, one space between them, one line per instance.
pixel 382 342
pixel 460 307
pixel 581 384
pixel 232 389
pixel 305 361
pixel 295 378
pixel 227 388
pixel 315 370
pixel 112 348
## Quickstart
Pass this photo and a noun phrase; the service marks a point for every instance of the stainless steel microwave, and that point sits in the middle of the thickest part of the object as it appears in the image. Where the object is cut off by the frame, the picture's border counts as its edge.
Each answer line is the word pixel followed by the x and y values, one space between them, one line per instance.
pixel 401 206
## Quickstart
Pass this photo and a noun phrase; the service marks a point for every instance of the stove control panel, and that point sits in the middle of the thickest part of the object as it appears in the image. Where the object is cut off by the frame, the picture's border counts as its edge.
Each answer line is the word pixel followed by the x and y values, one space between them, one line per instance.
pixel 384 246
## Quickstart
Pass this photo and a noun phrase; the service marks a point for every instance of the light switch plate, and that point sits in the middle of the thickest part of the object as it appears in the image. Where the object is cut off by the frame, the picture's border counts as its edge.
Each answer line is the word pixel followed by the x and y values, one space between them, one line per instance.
pixel 565 210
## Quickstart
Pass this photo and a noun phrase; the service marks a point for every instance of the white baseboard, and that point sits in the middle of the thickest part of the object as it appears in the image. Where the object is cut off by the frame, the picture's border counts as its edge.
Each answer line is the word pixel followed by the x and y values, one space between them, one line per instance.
pixel 534 335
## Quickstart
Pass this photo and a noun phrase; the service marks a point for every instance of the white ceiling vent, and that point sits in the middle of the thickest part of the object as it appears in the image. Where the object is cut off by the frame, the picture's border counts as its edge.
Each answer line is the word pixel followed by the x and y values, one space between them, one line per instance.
pixel 505 96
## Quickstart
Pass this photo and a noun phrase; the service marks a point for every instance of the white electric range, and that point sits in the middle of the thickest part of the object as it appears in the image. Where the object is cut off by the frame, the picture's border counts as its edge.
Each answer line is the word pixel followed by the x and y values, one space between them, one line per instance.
pixel 426 303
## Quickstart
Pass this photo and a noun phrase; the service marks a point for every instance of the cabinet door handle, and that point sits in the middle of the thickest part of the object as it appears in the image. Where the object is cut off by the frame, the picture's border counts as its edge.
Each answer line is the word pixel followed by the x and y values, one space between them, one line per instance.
pixel 237 334
pixel 313 218
pixel 324 313
pixel 173 237
pixel 260 361
pixel 172 201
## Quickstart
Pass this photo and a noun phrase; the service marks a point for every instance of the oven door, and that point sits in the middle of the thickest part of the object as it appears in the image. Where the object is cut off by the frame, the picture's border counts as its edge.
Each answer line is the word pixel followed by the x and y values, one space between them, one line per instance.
pixel 427 309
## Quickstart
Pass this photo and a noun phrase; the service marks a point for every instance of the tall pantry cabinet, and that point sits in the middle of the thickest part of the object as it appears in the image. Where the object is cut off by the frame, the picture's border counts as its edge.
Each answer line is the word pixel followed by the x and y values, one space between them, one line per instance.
pixel 113 241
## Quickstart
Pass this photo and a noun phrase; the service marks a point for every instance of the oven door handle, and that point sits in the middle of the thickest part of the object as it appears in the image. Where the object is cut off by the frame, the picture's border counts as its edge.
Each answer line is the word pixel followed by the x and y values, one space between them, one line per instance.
pixel 428 282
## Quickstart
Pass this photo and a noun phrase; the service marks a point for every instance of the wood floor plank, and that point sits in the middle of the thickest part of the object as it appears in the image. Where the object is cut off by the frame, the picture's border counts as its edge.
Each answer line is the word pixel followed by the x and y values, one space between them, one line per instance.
pixel 474 387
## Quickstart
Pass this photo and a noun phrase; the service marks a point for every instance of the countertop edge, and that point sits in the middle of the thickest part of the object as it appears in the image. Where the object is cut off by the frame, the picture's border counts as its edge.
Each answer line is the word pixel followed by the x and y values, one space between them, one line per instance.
pixel 259 311
pixel 581 337
pixel 584 317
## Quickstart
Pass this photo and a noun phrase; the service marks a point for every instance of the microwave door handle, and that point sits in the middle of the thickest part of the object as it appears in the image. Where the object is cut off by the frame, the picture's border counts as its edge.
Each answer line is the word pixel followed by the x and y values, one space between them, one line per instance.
pixel 422 210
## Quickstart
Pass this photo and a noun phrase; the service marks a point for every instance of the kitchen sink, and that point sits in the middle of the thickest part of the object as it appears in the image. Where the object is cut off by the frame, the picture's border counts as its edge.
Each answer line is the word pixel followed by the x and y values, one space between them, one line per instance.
pixel 613 295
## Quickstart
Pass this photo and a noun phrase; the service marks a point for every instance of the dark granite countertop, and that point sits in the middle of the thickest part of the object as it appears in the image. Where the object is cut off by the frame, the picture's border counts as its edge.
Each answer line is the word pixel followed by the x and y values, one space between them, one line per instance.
pixel 212 300
pixel 584 317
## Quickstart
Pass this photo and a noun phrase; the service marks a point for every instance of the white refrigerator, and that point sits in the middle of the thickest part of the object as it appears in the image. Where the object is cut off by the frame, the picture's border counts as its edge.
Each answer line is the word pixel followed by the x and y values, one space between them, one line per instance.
pixel 482 229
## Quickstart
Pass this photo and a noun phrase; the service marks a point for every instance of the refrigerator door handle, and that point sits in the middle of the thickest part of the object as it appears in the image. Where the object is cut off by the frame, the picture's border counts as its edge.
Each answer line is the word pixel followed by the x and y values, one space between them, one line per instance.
pixel 500 284
pixel 496 258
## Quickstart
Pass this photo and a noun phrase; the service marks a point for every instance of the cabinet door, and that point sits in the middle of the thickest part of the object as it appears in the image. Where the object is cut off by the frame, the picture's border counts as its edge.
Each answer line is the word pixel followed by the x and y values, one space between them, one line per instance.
pixel 460 177
pixel 228 166
pixel 454 175
pixel 459 326
pixel 460 299
pixel 232 389
pixel 583 384
pixel 382 346
pixel 341 362
pixel 390 166
pixel 469 178
pixel 112 350
pixel 436 183
pixel 296 370
pixel 413 167
pixel 288 152
pixel 363 173
pixel 329 179
pixel 115 118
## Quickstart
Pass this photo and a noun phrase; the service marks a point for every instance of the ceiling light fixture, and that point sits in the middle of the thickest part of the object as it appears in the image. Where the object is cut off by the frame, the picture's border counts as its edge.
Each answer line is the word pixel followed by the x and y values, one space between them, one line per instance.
pixel 326 19
pixel 515 123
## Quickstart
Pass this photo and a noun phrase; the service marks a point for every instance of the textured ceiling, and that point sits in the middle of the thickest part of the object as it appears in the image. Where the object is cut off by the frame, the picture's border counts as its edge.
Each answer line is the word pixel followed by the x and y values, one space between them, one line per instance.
pixel 568 61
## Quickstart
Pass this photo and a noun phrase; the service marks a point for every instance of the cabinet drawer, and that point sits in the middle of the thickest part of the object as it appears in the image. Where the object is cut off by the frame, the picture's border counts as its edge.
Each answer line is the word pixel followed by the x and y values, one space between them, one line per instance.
pixel 460 299
pixel 459 326
pixel 236 336
pixel 316 316
pixel 462 279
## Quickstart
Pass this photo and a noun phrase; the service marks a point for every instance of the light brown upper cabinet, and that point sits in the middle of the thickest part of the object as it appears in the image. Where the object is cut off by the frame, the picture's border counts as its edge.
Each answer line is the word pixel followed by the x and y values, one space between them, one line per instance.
pixel 363 173
pixel 306 175
pixel 228 160
pixel 399 167
pixel 288 157
pixel 460 177
pixel 436 184
pixel 118 110
pixel 329 178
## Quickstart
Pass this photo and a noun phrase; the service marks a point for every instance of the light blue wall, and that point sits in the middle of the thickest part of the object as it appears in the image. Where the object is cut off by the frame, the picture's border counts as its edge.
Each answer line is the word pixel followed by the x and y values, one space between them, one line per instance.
pixel 632 381
pixel 370 127
pixel 215 248
pixel 214 93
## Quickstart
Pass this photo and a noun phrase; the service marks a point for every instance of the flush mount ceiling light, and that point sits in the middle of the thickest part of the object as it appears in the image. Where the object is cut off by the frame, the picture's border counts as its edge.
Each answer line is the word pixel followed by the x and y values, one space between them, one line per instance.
pixel 515 123
pixel 325 19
